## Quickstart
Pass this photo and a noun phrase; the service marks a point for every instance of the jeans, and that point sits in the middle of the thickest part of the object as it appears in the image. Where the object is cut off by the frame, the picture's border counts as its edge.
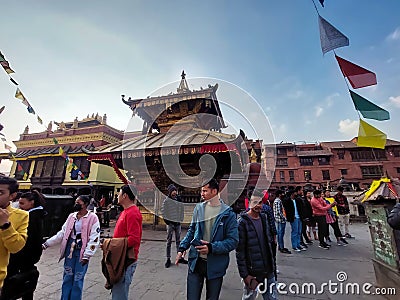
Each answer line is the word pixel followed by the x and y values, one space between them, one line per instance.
pixel 344 221
pixel 296 233
pixel 74 274
pixel 280 228
pixel 195 282
pixel 268 292
pixel 120 290
pixel 170 229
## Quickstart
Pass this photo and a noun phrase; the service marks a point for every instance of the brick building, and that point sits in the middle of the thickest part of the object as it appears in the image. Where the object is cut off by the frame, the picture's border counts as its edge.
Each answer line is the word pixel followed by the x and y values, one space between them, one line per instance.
pixel 331 164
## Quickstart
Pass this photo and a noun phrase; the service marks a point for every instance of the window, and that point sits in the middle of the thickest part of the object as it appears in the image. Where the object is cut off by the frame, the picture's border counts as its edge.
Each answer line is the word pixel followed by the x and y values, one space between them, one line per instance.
pixel 340 154
pixel 281 151
pixel 48 168
pixel 307 175
pixel 282 162
pixel 306 161
pixel 370 154
pixel 326 175
pixel 59 167
pixel 38 168
pixel 371 171
pixel 398 170
pixel 343 171
pixel 291 175
pixel 323 160
pixel 22 170
pixel 83 165
pixel 282 175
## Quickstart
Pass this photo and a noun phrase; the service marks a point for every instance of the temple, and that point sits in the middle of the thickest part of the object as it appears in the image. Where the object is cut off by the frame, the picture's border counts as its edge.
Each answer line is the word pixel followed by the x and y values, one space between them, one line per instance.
pixel 181 142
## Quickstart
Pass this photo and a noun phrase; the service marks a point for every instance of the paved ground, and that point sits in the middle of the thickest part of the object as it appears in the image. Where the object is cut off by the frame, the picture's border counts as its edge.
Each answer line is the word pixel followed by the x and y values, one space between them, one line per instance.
pixel 152 281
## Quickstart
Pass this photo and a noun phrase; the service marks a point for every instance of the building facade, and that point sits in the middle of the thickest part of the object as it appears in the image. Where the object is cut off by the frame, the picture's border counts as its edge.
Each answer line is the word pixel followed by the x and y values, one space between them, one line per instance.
pixel 331 163
pixel 38 163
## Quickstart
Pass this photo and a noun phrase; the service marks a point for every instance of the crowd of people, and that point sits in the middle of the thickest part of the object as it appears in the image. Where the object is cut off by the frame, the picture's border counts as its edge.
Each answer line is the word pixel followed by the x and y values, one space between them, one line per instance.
pixel 21 243
pixel 215 230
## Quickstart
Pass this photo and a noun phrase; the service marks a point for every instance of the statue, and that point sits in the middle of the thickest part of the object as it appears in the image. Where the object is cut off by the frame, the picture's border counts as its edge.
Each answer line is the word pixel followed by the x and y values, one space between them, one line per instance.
pixel 50 126
pixel 75 124
pixel 26 131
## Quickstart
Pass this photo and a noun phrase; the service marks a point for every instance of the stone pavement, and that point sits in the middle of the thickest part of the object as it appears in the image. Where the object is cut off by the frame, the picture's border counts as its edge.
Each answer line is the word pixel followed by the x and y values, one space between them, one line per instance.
pixel 152 281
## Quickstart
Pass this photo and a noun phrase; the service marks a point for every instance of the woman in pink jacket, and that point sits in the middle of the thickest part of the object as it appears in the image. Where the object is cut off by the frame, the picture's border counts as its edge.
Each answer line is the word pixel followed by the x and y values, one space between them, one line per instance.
pixel 79 238
pixel 320 209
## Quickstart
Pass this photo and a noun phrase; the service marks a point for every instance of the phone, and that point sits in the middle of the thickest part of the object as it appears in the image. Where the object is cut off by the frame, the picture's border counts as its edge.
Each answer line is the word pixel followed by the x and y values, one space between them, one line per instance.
pixel 196 242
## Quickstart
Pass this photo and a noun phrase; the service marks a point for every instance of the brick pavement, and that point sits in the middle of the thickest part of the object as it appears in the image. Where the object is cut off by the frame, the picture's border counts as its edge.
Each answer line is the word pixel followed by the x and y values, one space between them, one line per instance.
pixel 152 281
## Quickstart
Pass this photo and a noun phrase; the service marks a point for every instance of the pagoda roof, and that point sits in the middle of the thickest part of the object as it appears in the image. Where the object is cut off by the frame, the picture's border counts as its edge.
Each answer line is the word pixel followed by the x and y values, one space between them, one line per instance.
pixel 52 150
pixel 177 139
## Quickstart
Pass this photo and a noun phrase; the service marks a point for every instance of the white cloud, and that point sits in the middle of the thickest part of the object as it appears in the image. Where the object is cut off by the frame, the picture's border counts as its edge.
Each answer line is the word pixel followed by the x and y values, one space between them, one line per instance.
pixel 318 111
pixel 348 127
pixel 395 101
pixel 395 35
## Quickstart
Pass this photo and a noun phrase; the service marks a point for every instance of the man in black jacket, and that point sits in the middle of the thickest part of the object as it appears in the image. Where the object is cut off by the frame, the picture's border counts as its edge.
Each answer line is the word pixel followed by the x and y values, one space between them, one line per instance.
pixel 254 254
pixel 294 214
pixel 173 213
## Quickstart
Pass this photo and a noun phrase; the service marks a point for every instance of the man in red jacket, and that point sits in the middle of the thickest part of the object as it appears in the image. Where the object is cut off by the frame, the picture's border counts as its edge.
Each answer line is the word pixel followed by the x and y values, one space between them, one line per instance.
pixel 129 225
pixel 320 209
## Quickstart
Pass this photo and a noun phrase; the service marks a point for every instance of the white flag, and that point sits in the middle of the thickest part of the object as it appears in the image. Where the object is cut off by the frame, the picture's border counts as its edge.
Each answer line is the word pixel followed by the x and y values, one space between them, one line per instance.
pixel 330 37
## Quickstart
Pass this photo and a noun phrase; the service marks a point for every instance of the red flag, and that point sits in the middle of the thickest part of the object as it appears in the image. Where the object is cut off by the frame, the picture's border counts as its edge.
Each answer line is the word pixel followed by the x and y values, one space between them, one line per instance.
pixel 357 76
pixel 19 167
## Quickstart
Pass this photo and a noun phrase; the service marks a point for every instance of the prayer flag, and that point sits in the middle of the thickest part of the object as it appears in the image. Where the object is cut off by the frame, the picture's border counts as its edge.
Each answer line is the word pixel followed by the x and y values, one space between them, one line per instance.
pixel 357 76
pixel 2 108
pixel 62 153
pixel 55 141
pixel 3 139
pixel 6 67
pixel 19 95
pixel 1 127
pixel 13 81
pixel 322 2
pixel 8 147
pixel 369 136
pixel 39 120
pixel 368 109
pixel 330 37
pixel 31 110
pixel 25 102
pixel 2 57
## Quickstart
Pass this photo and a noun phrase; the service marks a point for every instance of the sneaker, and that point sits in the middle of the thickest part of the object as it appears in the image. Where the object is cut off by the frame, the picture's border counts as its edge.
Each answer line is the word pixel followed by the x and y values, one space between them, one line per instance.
pixel 296 249
pixel 324 246
pixel 183 261
pixel 286 250
pixel 302 245
pixel 339 243
pixel 309 242
pixel 302 248
pixel 349 236
pixel 328 239
pixel 168 263
pixel 277 271
pixel 344 241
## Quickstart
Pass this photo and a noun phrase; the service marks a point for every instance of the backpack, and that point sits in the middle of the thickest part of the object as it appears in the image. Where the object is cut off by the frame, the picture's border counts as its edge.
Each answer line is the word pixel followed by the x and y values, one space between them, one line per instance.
pixel 394 217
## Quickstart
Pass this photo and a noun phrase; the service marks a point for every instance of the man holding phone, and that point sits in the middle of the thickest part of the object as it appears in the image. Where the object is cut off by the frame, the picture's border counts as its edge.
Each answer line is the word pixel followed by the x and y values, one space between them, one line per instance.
pixel 212 234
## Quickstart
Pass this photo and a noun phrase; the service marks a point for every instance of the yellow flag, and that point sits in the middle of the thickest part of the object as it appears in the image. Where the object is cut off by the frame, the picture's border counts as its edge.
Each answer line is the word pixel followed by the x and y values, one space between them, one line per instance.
pixel 19 95
pixel 369 136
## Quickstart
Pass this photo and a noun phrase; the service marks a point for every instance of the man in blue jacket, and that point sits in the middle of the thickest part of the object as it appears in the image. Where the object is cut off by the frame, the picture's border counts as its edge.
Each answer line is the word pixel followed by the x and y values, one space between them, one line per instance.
pixel 212 234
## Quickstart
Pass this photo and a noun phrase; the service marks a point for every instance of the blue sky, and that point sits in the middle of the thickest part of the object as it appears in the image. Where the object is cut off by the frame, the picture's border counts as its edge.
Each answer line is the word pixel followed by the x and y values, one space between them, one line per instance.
pixel 74 58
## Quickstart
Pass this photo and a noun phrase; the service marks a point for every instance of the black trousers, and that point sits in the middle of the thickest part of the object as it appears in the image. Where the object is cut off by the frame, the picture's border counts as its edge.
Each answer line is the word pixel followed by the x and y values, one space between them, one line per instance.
pixel 322 228
pixel 336 229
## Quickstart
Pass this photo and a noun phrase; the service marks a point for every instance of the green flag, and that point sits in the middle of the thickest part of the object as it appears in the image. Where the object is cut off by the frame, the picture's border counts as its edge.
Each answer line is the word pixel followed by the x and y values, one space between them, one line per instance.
pixel 55 141
pixel 368 109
